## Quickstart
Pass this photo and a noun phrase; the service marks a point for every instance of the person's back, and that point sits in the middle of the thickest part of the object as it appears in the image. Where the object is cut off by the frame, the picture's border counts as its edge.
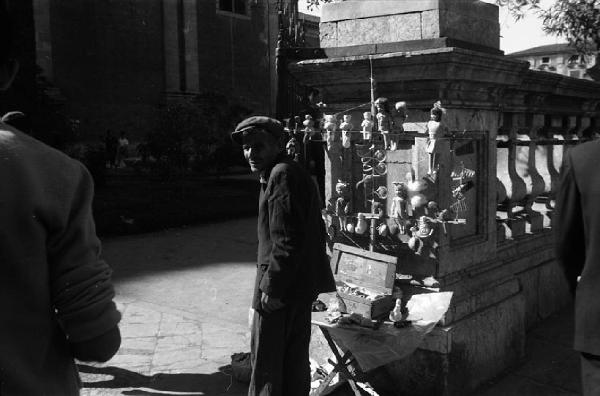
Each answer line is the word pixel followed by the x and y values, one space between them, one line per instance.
pixel 577 229
pixel 55 293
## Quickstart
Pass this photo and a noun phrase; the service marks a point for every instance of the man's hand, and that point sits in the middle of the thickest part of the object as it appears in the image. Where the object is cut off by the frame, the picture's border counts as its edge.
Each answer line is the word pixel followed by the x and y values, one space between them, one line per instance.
pixel 270 304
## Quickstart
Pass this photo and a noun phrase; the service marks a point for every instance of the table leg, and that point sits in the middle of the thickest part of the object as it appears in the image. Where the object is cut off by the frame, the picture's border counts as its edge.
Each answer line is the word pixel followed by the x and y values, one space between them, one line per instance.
pixel 341 366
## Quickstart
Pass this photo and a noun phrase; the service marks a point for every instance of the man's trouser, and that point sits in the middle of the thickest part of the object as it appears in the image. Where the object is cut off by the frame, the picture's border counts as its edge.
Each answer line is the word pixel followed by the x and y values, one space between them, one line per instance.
pixel 279 348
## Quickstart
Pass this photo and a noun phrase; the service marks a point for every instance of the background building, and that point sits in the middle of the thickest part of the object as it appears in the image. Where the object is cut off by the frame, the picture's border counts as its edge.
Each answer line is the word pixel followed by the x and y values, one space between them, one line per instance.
pixel 115 62
pixel 557 58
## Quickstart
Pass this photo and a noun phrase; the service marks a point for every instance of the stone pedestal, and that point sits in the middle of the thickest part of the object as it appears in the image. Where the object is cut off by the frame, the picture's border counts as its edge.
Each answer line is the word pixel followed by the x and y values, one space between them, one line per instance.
pixel 359 22
pixel 503 279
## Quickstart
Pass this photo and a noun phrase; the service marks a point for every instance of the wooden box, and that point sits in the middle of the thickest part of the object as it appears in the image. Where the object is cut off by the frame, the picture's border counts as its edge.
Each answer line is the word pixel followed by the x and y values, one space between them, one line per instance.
pixel 374 271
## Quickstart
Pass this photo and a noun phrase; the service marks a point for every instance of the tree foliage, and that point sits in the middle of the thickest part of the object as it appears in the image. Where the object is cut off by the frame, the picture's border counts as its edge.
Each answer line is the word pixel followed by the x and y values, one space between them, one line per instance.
pixel 576 20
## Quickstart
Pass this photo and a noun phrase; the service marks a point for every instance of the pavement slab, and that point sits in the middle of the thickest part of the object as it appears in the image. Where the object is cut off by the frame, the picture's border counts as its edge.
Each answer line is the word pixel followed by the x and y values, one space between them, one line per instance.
pixel 184 296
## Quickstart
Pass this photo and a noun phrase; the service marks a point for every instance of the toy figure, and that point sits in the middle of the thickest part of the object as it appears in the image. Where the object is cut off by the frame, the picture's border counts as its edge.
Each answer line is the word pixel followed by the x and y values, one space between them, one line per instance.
pixel 399 209
pixel 361 224
pixel 384 122
pixel 396 313
pixel 420 238
pixel 292 149
pixel 329 124
pixel 383 229
pixel 367 125
pixel 350 228
pixel 346 126
pixel 342 204
pixel 416 194
pixel 309 127
pixel 436 130
pixel 397 126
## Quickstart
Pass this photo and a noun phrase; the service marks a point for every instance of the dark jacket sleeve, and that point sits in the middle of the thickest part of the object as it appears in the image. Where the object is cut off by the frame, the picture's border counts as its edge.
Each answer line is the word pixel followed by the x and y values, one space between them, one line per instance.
pixel 568 224
pixel 286 219
pixel 81 287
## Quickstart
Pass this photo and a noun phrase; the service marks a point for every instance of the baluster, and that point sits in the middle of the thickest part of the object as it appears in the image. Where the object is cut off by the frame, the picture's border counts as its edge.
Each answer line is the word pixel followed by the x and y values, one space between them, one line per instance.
pixel 549 175
pixel 513 185
pixel 526 169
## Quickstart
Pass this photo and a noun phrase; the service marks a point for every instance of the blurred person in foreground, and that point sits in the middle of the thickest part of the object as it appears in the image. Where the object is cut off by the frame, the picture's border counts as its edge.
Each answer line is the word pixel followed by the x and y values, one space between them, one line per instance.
pixel 577 229
pixel 292 267
pixel 55 293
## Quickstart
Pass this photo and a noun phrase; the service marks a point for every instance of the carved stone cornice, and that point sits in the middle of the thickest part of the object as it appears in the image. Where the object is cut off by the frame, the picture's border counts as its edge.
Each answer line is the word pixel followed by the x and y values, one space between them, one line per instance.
pixel 461 78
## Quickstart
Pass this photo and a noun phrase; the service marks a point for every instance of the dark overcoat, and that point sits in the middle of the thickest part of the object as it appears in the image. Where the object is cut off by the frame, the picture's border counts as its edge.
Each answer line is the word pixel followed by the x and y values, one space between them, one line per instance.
pixel 577 231
pixel 292 263
pixel 54 290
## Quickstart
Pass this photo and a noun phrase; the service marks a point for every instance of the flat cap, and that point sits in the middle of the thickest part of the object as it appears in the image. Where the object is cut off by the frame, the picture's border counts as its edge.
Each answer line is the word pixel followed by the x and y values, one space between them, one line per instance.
pixel 270 125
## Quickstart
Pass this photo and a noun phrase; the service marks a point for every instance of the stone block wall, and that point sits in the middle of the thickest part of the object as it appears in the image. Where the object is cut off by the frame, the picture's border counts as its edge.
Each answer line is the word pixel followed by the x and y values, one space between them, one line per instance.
pixel 376 22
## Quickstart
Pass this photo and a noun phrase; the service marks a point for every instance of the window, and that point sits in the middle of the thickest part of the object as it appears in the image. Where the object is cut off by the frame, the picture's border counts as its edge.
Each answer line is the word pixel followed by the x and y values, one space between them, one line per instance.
pixel 546 59
pixel 574 73
pixel 233 6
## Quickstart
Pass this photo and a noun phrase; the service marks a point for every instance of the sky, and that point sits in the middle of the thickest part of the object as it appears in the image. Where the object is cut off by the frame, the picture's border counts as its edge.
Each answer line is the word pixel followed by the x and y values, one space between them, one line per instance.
pixel 515 36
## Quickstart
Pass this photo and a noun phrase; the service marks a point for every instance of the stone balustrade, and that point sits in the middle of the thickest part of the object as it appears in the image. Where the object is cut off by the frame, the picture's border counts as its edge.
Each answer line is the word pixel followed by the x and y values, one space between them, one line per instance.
pixel 528 166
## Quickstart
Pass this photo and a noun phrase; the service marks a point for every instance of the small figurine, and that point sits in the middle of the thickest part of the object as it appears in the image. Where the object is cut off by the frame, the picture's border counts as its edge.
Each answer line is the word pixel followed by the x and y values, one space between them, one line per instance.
pixel 383 229
pixel 350 228
pixel 416 190
pixel 292 149
pixel 436 130
pixel 342 204
pixel 420 238
pixel 309 127
pixel 384 123
pixel 361 224
pixel 367 125
pixel 346 126
pixel 399 209
pixel 396 314
pixel 397 126
pixel 329 124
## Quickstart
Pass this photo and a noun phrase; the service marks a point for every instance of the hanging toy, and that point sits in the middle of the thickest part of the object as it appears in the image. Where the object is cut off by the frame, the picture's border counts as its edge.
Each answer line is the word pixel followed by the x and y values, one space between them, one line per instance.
pixel 329 124
pixel 367 125
pixel 383 119
pixel 361 224
pixel 350 228
pixel 346 126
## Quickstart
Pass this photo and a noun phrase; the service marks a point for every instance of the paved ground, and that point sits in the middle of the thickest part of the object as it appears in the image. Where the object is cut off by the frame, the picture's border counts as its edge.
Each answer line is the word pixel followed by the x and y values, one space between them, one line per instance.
pixel 185 294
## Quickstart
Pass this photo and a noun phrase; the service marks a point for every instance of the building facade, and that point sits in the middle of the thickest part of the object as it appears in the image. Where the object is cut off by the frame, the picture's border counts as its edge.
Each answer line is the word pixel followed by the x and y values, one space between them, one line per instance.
pixel 116 62
pixel 557 58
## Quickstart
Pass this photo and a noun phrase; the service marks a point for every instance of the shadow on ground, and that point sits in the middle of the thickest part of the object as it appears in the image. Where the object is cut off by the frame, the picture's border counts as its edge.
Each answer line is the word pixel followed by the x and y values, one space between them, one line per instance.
pixel 216 384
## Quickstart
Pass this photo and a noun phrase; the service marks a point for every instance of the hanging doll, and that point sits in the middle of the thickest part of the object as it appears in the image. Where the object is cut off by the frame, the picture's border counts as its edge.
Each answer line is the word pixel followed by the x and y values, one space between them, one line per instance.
pixel 399 208
pixel 436 130
pixel 384 122
pixel 396 127
pixel 342 204
pixel 329 124
pixel 309 127
pixel 421 239
pixel 346 126
pixel 367 125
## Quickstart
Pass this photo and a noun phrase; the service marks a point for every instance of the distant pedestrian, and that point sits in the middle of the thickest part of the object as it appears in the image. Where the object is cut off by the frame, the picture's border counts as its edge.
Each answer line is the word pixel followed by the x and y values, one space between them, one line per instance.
pixel 292 267
pixel 122 150
pixel 56 295
pixel 110 147
pixel 577 230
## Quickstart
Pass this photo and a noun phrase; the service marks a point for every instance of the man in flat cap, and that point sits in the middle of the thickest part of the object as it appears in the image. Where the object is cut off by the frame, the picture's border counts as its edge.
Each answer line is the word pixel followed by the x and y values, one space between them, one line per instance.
pixel 292 267
pixel 56 295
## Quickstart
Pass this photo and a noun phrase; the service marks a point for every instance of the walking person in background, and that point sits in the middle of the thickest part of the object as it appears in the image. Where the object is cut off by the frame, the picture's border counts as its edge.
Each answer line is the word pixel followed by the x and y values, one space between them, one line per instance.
pixel 577 230
pixel 122 150
pixel 292 267
pixel 56 295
